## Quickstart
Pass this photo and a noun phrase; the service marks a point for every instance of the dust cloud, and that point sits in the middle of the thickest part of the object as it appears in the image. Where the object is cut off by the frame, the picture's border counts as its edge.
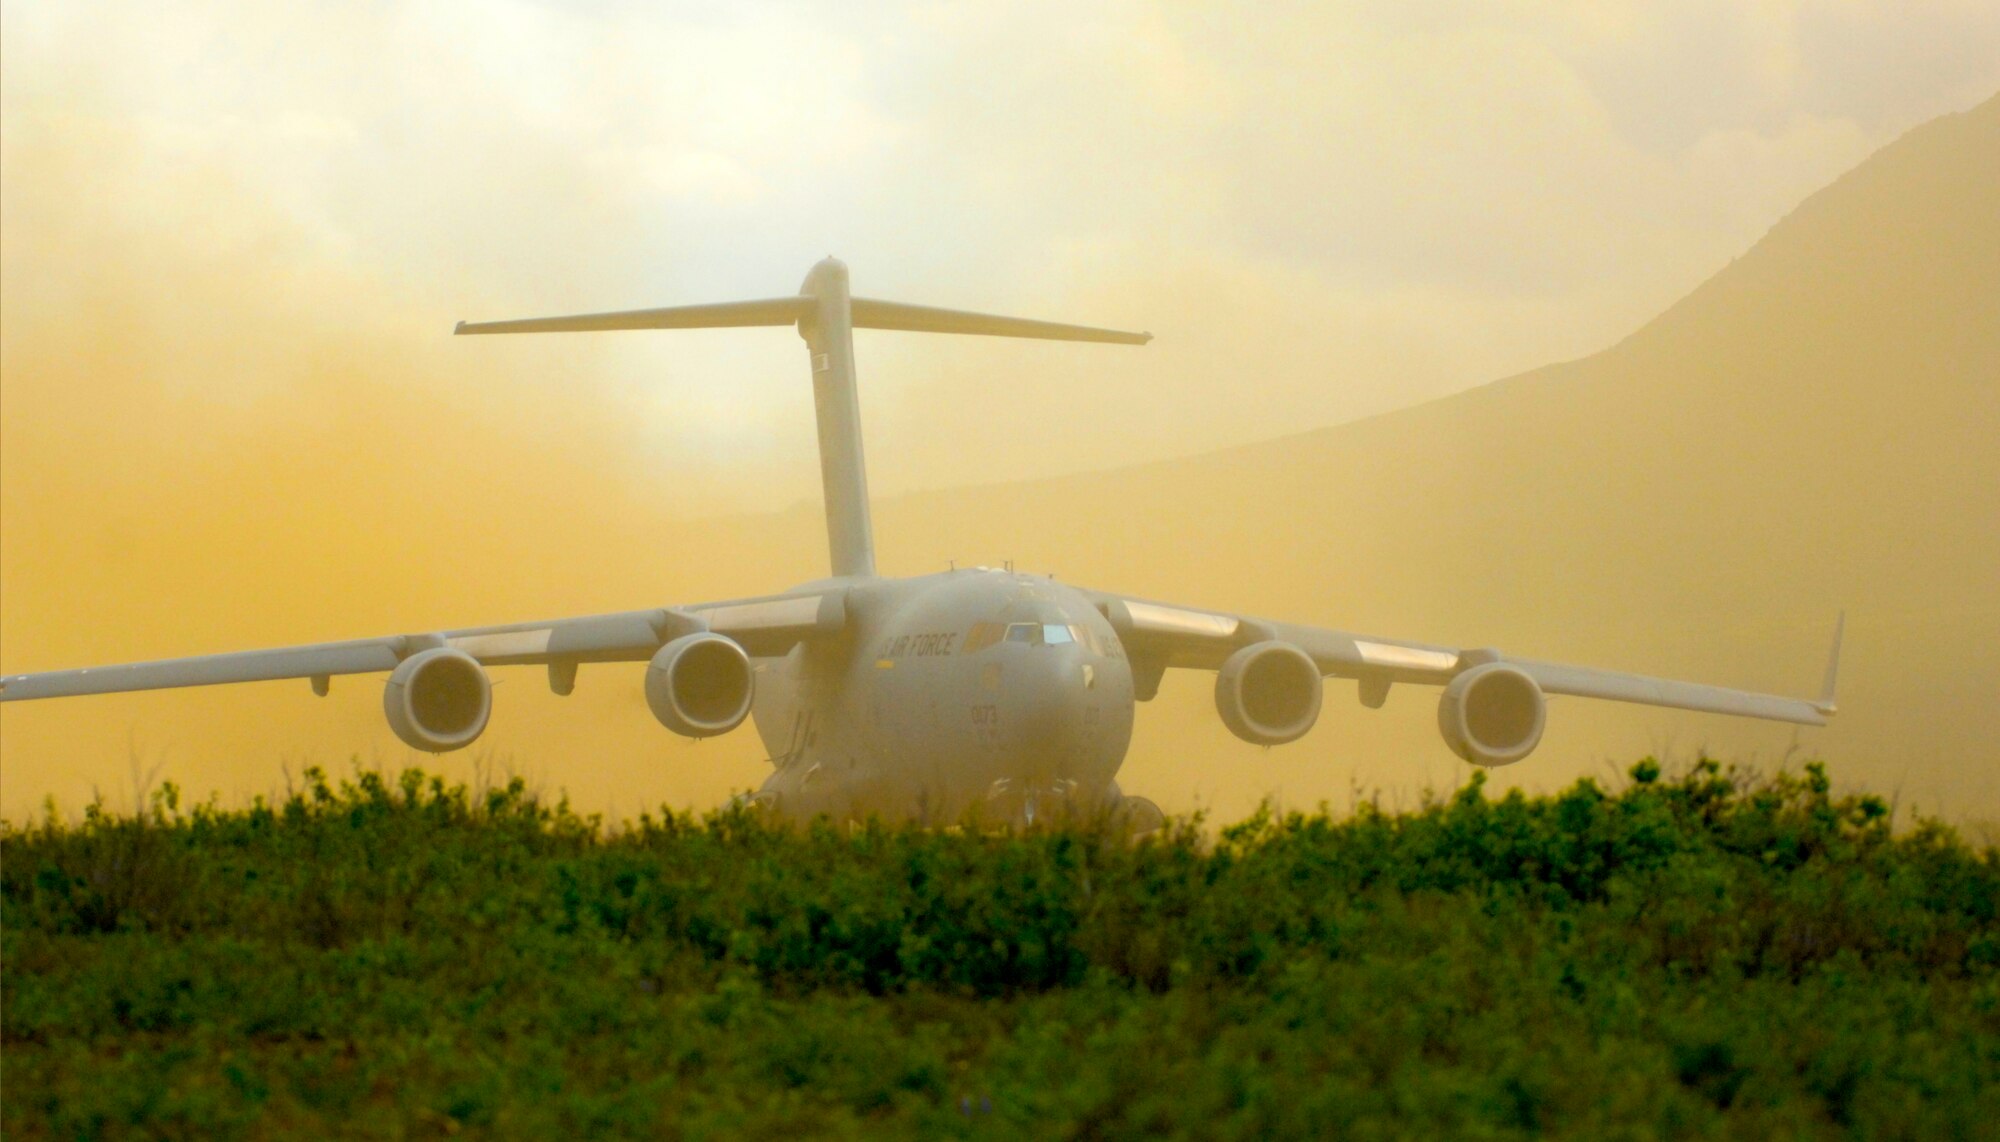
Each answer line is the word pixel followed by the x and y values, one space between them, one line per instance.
pixel 227 438
pixel 238 435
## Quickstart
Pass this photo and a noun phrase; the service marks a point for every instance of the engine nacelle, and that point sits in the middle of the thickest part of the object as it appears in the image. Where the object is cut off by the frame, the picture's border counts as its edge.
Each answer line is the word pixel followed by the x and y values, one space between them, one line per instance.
pixel 700 685
pixel 1492 714
pixel 438 700
pixel 1269 693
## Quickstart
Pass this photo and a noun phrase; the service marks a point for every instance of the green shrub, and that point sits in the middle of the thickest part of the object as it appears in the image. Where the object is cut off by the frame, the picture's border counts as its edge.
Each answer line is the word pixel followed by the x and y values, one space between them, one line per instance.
pixel 1706 953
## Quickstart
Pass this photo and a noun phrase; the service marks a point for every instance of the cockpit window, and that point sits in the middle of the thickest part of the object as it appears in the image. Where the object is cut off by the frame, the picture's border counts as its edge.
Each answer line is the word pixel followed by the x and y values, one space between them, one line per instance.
pixel 982 635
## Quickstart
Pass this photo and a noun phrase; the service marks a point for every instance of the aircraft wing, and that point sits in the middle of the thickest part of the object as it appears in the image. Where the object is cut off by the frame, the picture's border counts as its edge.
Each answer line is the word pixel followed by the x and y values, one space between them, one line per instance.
pixel 1159 635
pixel 766 625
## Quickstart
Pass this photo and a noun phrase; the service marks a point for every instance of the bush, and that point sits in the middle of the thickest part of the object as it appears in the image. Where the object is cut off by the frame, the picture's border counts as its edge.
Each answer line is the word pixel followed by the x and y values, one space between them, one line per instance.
pixel 1708 953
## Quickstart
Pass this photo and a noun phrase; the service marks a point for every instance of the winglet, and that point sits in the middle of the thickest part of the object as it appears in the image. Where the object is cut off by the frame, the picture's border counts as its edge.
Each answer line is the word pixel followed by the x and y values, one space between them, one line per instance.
pixel 1826 704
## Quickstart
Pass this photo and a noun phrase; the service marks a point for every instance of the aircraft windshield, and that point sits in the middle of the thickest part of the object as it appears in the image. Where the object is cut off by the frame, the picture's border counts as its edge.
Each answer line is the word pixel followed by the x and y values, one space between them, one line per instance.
pixel 983 635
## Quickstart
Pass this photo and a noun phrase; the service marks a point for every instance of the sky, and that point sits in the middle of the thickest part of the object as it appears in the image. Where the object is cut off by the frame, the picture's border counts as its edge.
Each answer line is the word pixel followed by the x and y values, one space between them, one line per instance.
pixel 234 238
pixel 1323 210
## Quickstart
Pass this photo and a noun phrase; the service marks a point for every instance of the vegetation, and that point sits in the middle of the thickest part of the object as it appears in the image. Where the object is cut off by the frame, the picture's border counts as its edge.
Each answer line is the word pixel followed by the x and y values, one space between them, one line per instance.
pixel 1707 955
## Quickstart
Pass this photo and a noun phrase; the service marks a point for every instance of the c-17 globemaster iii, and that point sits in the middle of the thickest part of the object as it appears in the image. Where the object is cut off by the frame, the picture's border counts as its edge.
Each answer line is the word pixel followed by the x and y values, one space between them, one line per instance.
pixel 970 693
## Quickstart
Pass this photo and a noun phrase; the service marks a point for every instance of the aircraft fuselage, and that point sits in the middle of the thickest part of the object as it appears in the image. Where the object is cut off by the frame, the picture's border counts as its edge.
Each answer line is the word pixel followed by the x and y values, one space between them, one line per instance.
pixel 986 692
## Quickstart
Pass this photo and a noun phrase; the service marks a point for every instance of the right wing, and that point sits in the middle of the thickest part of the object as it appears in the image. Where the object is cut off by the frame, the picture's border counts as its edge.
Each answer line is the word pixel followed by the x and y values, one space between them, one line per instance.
pixel 765 625
pixel 1160 635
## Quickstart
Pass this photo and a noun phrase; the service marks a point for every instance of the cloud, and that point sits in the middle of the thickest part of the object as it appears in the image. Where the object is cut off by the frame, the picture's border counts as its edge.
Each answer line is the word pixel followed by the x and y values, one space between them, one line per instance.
pixel 1358 206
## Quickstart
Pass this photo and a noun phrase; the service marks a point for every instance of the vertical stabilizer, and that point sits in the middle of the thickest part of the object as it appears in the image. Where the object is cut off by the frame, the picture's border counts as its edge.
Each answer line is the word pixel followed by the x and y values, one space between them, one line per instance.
pixel 828 329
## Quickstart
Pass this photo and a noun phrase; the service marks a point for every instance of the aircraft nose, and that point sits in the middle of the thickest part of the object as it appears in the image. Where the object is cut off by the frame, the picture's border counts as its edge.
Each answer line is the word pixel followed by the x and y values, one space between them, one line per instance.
pixel 1057 684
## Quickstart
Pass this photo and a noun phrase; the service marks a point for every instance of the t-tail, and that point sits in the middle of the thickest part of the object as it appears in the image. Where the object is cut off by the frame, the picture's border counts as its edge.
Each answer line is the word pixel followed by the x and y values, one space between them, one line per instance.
pixel 826 315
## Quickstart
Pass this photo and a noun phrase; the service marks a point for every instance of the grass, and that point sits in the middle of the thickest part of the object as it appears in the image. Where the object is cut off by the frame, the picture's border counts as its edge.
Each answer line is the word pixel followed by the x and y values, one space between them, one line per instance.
pixel 1707 955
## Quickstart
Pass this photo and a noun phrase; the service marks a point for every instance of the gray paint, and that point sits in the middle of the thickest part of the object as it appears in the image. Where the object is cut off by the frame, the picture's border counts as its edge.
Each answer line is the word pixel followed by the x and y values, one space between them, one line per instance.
pixel 828 329
pixel 983 691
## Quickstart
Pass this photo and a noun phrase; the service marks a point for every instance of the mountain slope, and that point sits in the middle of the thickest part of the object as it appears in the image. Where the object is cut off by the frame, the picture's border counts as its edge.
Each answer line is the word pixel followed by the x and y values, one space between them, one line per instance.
pixel 1815 428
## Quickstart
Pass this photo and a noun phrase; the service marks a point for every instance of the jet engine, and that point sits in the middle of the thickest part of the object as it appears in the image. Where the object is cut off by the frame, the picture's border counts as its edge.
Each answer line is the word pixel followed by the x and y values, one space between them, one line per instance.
pixel 438 700
pixel 1268 693
pixel 1492 714
pixel 700 685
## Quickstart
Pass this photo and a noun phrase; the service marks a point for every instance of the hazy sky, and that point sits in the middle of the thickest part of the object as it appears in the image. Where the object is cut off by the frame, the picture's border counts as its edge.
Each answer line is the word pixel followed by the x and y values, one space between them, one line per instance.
pixel 1324 210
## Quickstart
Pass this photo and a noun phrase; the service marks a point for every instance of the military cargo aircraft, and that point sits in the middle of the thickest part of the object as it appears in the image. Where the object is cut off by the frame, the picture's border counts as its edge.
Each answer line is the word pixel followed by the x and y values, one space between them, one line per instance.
pixel 976 692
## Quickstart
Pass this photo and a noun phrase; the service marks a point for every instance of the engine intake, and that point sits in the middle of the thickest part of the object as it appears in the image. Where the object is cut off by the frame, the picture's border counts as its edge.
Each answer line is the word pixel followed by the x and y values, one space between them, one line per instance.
pixel 1492 714
pixel 1269 693
pixel 700 685
pixel 438 700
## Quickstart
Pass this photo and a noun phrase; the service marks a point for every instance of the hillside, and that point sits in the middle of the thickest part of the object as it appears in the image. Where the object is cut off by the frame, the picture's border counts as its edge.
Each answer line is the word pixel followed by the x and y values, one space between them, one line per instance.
pixel 1815 428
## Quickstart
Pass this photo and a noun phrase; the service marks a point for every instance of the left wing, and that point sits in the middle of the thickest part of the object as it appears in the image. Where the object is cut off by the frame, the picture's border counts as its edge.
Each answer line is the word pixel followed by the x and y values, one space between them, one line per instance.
pixel 1159 635
pixel 767 625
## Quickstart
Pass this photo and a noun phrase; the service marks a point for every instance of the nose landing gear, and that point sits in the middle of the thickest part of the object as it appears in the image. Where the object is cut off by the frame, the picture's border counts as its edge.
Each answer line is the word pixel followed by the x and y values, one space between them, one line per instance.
pixel 1028 804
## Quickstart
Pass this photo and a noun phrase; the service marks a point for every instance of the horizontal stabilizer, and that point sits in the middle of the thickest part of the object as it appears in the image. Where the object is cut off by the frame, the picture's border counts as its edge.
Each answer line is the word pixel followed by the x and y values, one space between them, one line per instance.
pixel 867 314
pixel 725 315
pixel 872 314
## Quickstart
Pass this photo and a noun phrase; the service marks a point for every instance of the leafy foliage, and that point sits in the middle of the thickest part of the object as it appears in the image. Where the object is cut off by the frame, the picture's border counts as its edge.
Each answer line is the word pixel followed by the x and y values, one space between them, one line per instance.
pixel 1708 955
